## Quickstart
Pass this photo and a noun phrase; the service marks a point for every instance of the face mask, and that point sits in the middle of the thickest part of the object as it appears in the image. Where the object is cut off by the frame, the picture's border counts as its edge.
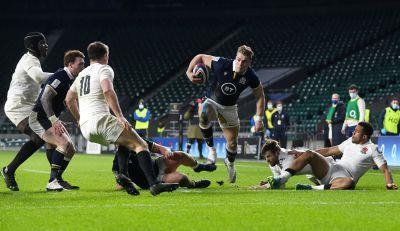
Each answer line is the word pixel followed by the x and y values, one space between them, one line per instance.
pixel 395 106
pixel 141 106
pixel 269 106
pixel 353 95
pixel 335 101
pixel 279 108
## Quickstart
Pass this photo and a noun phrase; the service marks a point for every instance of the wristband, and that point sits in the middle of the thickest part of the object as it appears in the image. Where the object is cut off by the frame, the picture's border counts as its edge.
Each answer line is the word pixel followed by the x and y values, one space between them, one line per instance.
pixel 53 119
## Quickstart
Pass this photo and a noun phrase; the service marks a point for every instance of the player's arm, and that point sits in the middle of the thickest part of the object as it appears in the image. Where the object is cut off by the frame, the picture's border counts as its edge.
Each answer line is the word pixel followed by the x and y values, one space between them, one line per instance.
pixel 37 74
pixel 388 177
pixel 200 58
pixel 260 105
pixel 71 100
pixel 47 98
pixel 331 151
pixel 158 148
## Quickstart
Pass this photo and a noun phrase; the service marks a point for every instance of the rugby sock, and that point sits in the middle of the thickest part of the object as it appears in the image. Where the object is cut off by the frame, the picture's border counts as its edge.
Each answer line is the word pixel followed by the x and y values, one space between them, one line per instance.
pixel 115 167
pixel 49 154
pixel 24 153
pixel 64 165
pixel 122 159
pixel 318 187
pixel 56 163
pixel 230 155
pixel 208 136
pixel 146 165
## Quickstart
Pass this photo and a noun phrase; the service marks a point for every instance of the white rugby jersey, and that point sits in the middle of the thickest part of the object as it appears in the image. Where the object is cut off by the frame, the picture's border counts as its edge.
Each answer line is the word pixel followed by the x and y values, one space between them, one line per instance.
pixel 90 94
pixel 359 158
pixel 285 161
pixel 25 84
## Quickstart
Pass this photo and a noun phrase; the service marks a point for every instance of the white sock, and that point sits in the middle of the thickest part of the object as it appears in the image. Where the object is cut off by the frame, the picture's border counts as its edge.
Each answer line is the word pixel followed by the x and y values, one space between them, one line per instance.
pixel 285 175
pixel 318 187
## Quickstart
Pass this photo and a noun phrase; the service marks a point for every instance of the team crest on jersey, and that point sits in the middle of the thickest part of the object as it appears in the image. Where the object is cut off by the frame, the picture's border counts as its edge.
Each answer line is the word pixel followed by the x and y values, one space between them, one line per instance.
pixel 242 81
pixel 228 88
pixel 225 73
pixel 364 150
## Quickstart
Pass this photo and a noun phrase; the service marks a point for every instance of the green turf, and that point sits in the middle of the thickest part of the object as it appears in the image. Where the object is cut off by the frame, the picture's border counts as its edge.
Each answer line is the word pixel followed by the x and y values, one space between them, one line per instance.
pixel 98 207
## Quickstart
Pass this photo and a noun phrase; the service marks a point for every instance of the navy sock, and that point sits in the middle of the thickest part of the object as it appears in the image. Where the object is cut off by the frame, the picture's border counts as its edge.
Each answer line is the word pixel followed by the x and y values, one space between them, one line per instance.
pixel 146 164
pixel 24 153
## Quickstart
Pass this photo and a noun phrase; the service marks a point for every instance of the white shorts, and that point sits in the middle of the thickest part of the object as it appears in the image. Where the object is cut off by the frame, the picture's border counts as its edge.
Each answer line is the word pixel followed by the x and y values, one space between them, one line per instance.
pixel 335 171
pixel 39 127
pixel 227 115
pixel 17 113
pixel 102 129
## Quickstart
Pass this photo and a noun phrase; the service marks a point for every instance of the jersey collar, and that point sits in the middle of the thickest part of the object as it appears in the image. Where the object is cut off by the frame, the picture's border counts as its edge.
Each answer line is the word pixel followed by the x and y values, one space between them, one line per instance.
pixel 69 73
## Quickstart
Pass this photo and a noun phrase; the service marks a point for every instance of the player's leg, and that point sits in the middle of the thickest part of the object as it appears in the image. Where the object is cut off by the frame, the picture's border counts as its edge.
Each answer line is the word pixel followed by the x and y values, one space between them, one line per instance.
pixel 231 136
pixel 184 181
pixel 130 139
pixel 342 184
pixel 181 158
pixel 61 157
pixel 27 150
pixel 189 142
pixel 207 113
pixel 320 168
pixel 200 147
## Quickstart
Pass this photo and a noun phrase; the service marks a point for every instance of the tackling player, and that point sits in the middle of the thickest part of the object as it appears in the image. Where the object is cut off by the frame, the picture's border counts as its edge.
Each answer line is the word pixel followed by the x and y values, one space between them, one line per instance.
pixel 21 96
pixel 94 91
pixel 359 154
pixel 231 77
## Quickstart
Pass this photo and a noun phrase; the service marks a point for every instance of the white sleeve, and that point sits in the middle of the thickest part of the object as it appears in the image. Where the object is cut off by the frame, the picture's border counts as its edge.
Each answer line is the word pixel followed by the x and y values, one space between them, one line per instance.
pixel 361 107
pixel 106 73
pixel 37 74
pixel 343 145
pixel 73 86
pixel 275 170
pixel 378 157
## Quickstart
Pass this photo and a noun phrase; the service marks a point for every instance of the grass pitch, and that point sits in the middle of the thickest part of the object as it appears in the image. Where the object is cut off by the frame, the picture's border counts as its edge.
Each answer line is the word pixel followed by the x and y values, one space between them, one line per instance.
pixel 97 206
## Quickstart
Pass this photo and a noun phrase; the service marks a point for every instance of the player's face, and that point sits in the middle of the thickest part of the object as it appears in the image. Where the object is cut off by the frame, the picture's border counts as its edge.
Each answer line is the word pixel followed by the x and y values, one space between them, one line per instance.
pixel 77 66
pixel 358 135
pixel 242 63
pixel 271 157
pixel 43 47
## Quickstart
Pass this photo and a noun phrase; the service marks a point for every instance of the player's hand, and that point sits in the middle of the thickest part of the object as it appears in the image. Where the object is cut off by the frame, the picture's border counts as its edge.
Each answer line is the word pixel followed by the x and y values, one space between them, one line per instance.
pixel 166 152
pixel 391 187
pixel 295 153
pixel 196 79
pixel 123 121
pixel 259 126
pixel 59 127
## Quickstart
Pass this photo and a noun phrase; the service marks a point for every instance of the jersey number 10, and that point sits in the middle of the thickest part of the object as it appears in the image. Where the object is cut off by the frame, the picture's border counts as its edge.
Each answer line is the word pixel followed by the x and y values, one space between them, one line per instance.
pixel 85 85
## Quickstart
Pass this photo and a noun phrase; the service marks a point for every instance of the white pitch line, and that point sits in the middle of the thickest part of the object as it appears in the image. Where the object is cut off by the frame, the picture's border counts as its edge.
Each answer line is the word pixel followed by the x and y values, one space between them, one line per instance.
pixel 214 204
pixel 36 171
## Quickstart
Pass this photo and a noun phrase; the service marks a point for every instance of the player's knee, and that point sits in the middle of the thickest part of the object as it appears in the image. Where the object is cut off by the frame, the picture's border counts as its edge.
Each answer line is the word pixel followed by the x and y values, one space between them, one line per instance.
pixel 138 147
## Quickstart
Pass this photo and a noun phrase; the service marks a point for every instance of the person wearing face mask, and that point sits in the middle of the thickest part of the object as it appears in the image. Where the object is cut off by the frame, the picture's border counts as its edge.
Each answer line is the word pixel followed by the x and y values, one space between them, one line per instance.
pixel 335 116
pixel 268 116
pixel 142 118
pixel 355 111
pixel 280 121
pixel 389 121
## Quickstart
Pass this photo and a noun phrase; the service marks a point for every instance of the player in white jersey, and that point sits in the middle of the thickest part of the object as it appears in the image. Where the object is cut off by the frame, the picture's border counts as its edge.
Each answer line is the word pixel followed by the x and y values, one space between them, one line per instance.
pixel 359 154
pixel 94 92
pixel 279 159
pixel 22 94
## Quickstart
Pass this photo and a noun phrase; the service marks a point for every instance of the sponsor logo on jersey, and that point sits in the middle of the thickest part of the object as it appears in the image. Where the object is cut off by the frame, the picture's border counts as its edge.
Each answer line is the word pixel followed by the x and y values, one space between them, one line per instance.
pixel 228 88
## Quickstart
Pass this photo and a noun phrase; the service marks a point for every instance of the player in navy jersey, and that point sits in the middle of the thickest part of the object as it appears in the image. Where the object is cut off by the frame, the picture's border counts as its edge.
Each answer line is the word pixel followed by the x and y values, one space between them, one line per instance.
pixel 231 78
pixel 44 119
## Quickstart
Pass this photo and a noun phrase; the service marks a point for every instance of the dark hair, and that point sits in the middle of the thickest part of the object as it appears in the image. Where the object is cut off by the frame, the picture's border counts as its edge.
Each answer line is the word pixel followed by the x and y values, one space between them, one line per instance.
pixel 367 129
pixel 353 87
pixel 97 50
pixel 270 145
pixel 69 56
pixel 31 41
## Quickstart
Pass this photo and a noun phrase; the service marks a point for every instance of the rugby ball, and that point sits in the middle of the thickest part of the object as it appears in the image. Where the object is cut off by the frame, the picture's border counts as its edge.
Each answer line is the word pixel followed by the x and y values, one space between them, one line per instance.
pixel 200 73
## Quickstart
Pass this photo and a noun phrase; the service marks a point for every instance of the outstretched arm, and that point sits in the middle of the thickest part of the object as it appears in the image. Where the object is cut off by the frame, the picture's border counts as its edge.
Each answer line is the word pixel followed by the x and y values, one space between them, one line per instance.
pixel 260 105
pixel 388 177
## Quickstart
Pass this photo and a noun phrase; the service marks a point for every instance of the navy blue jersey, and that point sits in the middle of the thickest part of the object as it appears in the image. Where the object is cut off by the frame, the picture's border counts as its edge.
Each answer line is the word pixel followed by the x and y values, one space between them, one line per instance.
pixel 224 89
pixel 60 81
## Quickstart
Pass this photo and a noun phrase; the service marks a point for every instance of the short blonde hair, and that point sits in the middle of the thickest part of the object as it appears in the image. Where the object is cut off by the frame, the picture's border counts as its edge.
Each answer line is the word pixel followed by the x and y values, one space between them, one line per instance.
pixel 246 51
